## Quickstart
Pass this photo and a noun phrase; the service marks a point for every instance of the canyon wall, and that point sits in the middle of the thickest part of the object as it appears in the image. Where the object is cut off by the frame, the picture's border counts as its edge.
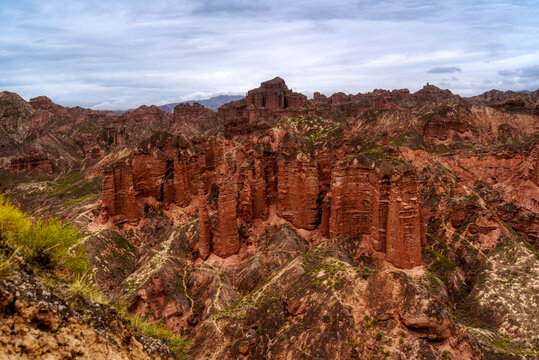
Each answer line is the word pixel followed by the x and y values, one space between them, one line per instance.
pixel 366 197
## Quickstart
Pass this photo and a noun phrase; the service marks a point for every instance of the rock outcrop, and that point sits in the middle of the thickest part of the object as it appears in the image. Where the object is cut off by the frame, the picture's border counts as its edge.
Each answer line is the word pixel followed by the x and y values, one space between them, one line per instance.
pixel 30 163
pixel 366 197
pixel 194 118
pixel 382 205
pixel 297 185
pixel 119 194
pixel 37 324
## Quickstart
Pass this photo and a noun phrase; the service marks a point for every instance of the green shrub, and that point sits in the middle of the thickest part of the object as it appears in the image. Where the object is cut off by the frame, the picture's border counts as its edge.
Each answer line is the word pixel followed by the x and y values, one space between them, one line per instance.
pixel 11 218
pixel 365 272
pixel 48 244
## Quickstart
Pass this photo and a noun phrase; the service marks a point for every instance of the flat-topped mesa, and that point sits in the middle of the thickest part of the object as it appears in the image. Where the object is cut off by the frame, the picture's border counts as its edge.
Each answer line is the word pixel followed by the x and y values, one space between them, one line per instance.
pixel 270 99
pixel 271 95
pixel 274 95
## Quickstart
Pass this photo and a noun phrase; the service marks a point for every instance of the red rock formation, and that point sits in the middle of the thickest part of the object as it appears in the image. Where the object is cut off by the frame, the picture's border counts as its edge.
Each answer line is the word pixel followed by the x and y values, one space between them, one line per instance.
pixel 270 95
pixel 495 96
pixel 360 197
pixel 226 239
pixel 194 118
pixel 384 206
pixel 445 120
pixel 271 98
pixel 190 113
pixel 351 200
pixel 184 174
pixel 149 173
pixel 115 135
pixel 297 186
pixel 535 166
pixel 245 200
pixel 405 230
pixel 432 92
pixel 44 103
pixel 146 115
pixel 261 183
pixel 517 105
pixel 154 300
pixel 31 163
pixel 204 232
pixel 119 194
pixel 255 168
pixel 95 153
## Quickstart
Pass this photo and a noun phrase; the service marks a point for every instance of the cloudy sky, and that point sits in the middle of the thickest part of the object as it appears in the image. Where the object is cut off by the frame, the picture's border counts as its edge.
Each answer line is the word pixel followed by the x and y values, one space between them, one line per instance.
pixel 117 54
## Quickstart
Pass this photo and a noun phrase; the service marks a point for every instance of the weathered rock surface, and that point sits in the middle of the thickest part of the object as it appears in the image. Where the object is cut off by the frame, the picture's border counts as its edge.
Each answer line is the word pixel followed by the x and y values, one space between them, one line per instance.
pixel 194 118
pixel 36 324
pixel 320 306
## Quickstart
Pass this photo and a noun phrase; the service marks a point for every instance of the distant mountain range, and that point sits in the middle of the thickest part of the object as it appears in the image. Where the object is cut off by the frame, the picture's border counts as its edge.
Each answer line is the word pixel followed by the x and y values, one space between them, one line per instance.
pixel 211 103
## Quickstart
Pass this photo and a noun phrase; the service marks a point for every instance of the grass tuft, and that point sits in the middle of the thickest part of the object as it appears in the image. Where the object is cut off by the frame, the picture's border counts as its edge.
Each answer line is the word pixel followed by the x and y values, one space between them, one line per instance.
pixel 8 264
pixel 178 344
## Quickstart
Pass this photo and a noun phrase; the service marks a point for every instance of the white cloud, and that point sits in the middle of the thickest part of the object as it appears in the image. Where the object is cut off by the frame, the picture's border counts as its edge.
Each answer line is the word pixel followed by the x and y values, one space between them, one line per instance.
pixel 121 54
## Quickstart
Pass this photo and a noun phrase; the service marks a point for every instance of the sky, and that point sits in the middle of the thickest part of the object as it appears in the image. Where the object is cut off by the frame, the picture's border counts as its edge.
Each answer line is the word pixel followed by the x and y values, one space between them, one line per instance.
pixel 119 54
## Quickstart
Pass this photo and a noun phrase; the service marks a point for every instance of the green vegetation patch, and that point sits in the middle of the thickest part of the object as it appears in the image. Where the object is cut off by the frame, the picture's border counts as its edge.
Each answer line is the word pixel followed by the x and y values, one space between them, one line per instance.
pixel 74 188
pixel 430 282
pixel 327 273
pixel 382 155
pixel 440 263
pixel 46 244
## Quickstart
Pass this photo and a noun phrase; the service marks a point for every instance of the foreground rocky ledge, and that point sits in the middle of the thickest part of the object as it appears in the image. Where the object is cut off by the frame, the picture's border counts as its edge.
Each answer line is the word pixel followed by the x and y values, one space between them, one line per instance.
pixel 37 324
